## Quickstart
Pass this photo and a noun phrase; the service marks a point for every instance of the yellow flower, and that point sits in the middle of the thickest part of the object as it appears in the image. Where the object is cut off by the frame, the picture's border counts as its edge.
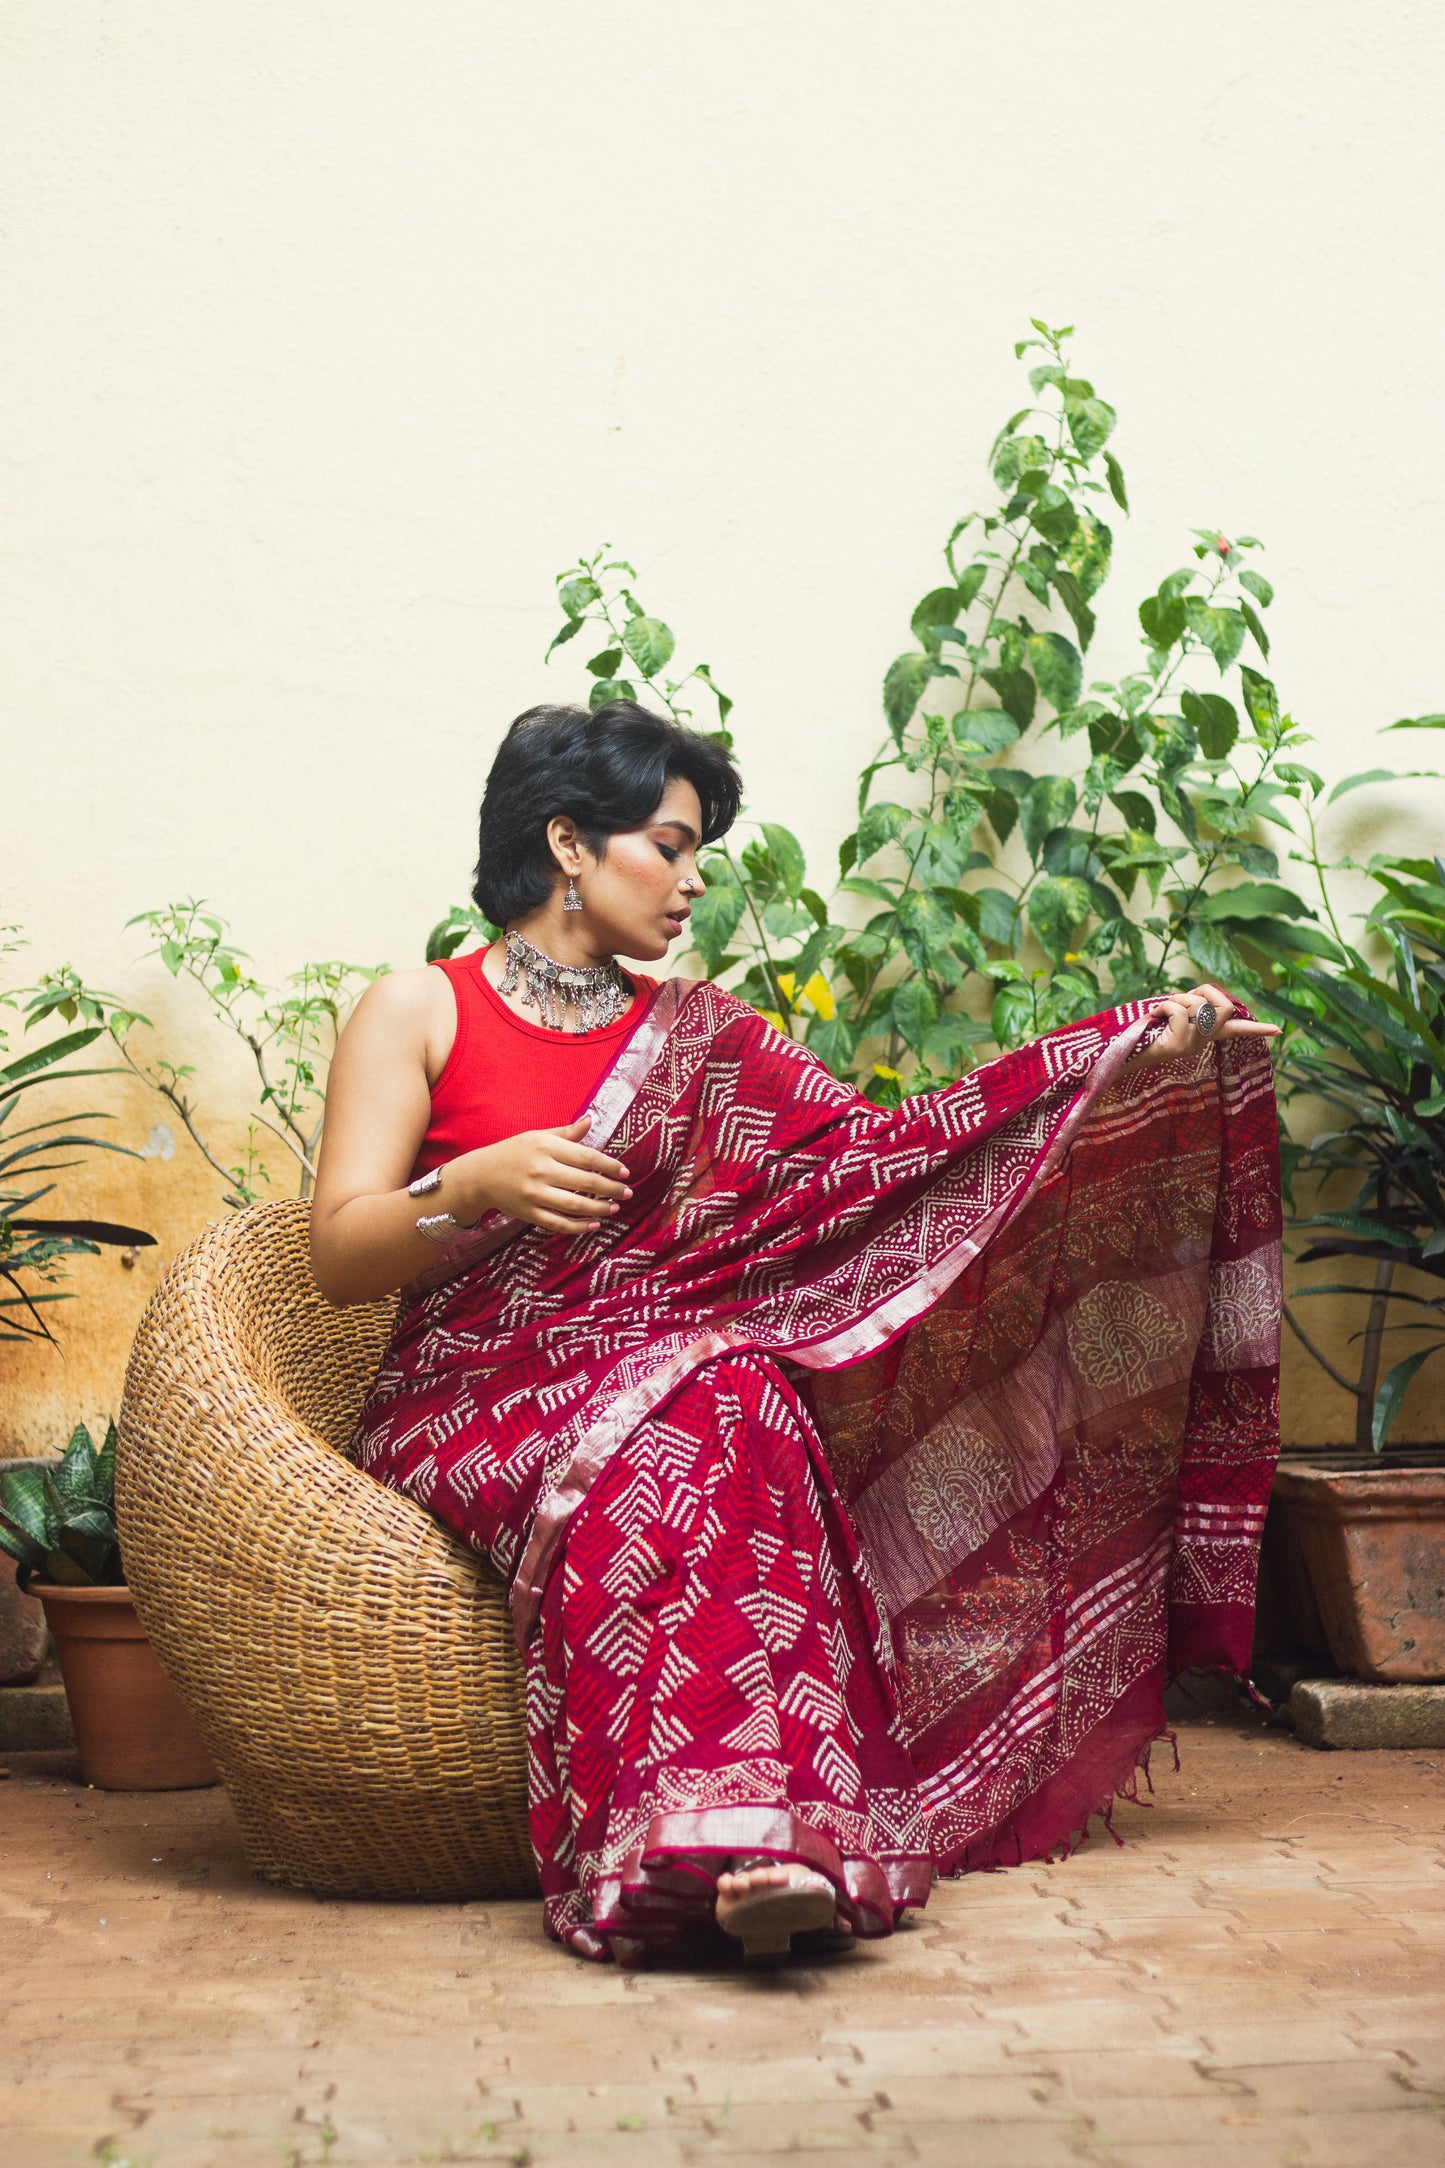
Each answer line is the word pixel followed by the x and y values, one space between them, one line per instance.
pixel 889 1076
pixel 1071 956
pixel 817 993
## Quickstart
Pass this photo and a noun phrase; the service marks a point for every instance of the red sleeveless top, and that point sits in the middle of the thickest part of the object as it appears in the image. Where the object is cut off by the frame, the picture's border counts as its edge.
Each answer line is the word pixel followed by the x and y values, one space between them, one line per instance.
pixel 504 1075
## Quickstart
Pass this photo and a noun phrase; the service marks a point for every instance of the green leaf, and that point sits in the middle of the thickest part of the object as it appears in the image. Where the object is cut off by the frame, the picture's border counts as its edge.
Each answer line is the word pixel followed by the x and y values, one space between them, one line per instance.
pixel 939 608
pixel 607 689
pixel 105 1468
pixel 1115 473
pixel 946 1046
pixel 786 853
pixel 1392 1393
pixel 1261 704
pixel 1058 671
pixel 834 1041
pixel 1014 456
pixel 1214 722
pixel 915 1011
pixel 1354 782
pixel 569 632
pixel 17 1545
pixel 578 595
pixel 650 644
pixel 1138 811
pixel 1050 804
pixel 1222 631
pixel 75 1476
pixel 716 915
pixel 1017 692
pixel 1256 584
pixel 605 664
pixel 987 730
pixel 881 825
pixel 902 689
pixel 999 918
pixel 1257 631
pixel 1216 955
pixel 1418 722
pixel 1072 597
pixel 1278 936
pixel 46 1057
pixel 1253 899
pixel 1162 619
pixel 22 1501
pixel 1087 552
pixel 1013 1015
pixel 1056 907
pixel 1091 422
pixel 1003 813
pixel 1054 516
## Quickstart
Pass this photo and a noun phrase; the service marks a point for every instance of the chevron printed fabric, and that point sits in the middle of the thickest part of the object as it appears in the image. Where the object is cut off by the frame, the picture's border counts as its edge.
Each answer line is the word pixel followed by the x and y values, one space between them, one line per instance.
pixel 862 1483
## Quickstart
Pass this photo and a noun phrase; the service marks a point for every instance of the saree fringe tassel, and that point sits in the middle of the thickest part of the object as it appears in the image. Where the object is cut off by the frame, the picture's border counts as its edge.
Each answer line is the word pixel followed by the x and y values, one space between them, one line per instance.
pixel 860 1485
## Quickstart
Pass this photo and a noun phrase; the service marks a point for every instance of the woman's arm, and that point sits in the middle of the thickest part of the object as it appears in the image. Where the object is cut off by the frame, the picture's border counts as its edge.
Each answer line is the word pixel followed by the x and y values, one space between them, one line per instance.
pixel 364 1240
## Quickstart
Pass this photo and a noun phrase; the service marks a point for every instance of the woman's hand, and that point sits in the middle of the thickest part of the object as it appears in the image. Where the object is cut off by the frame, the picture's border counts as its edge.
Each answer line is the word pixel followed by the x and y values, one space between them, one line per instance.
pixel 1181 1035
pixel 547 1177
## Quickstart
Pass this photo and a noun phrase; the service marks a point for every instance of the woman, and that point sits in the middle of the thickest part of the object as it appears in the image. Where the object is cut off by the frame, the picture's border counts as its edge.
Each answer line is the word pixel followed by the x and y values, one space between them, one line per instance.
pixel 859 1475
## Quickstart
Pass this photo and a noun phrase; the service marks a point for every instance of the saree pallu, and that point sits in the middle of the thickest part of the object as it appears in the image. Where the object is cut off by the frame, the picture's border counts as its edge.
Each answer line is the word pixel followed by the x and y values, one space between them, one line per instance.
pixel 861 1484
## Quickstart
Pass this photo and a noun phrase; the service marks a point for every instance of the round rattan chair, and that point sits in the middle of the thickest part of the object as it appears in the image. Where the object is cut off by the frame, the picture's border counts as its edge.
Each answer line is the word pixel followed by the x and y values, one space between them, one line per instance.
pixel 349 1663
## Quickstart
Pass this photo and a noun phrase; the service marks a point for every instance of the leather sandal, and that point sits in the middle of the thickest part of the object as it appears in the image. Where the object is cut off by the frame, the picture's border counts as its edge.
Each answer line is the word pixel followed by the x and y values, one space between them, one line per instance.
pixel 766 1922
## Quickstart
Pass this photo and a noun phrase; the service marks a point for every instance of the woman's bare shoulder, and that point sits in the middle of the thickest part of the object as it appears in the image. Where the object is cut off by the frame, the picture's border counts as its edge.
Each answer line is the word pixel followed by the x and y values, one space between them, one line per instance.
pixel 414 1001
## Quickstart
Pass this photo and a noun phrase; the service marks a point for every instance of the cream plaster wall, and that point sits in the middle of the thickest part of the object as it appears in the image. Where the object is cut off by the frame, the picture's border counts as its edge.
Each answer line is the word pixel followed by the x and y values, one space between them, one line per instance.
pixel 331 332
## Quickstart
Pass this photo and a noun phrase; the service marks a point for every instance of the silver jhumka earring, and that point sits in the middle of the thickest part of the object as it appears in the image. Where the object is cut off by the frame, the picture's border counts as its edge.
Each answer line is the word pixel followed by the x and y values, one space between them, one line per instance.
pixel 571 901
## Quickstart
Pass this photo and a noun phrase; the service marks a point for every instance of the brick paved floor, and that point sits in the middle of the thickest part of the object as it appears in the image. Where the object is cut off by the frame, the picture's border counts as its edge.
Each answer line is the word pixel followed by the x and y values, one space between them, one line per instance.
pixel 1259 1975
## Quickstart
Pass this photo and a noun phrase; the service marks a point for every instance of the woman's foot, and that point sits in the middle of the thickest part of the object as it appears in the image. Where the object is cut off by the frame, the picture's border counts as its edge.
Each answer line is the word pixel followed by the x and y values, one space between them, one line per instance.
pixel 765 1903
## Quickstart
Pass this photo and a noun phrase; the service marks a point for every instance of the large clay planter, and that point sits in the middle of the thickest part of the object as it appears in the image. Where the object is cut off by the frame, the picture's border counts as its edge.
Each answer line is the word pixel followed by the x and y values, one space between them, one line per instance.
pixel 131 1730
pixel 1373 1541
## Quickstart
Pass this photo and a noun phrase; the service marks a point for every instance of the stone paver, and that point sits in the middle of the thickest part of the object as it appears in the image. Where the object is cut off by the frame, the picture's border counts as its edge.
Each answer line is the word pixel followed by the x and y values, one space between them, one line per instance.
pixel 1258 1974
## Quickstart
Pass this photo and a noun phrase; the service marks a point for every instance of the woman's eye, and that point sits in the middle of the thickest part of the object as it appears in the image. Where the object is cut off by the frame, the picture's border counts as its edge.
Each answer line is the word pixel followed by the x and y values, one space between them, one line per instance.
pixel 670 856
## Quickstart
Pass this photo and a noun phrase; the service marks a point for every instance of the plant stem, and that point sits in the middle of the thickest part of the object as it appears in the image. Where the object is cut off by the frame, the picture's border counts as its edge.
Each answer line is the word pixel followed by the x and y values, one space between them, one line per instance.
pixel 1370 1354
pixel 1323 1360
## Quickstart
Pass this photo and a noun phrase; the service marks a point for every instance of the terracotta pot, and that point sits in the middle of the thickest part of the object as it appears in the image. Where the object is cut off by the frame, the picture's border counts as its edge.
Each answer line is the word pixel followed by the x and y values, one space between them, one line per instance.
pixel 1373 1542
pixel 131 1729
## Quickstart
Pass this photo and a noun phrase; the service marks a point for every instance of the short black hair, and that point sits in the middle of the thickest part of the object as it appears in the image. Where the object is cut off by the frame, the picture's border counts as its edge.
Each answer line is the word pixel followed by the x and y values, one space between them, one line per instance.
pixel 607 769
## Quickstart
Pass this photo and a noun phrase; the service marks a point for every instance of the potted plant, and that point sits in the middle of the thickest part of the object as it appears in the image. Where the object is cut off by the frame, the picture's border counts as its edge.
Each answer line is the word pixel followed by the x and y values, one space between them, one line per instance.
pixel 31 1258
pixel 1357 1547
pixel 58 1524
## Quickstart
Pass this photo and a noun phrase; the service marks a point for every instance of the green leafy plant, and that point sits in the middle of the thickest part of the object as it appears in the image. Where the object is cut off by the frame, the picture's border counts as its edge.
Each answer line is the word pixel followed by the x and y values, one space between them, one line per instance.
pixel 1053 843
pixel 289 1031
pixel 996 895
pixel 1368 1044
pixel 59 1522
pixel 33 1250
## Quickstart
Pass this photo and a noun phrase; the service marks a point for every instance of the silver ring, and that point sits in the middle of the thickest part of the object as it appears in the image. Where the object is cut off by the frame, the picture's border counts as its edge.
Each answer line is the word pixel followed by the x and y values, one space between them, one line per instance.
pixel 1206 1020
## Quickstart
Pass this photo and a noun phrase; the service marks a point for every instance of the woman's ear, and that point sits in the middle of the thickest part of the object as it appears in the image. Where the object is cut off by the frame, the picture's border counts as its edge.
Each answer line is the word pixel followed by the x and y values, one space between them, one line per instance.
pixel 565 843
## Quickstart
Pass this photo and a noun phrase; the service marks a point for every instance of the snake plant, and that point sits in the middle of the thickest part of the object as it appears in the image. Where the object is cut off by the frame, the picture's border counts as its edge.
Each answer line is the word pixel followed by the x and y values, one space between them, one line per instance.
pixel 59 1523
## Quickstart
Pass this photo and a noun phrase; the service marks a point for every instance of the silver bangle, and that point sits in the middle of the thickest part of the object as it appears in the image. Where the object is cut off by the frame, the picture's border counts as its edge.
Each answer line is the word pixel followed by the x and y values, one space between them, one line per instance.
pixel 439 1227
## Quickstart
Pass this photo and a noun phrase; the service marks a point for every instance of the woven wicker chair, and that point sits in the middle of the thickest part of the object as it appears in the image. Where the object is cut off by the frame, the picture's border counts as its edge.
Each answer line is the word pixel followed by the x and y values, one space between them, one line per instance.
pixel 349 1663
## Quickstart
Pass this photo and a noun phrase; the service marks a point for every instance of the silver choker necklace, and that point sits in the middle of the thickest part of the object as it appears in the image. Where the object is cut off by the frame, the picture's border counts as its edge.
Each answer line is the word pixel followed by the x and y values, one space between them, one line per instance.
pixel 567 997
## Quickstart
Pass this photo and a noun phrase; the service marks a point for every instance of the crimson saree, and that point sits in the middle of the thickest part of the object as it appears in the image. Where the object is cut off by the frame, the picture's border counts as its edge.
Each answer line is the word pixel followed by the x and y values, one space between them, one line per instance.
pixel 862 1483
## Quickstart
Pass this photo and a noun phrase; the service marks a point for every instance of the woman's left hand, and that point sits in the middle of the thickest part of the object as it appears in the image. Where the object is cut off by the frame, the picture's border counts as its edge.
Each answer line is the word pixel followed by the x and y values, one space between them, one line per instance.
pixel 1181 1033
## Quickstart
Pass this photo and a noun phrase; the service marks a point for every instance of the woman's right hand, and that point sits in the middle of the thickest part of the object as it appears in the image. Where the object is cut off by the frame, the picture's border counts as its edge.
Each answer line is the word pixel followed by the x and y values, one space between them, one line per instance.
pixel 547 1177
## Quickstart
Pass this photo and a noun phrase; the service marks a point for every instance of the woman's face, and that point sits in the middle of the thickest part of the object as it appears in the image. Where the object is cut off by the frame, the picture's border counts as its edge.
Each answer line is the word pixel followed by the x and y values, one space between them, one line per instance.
pixel 633 900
